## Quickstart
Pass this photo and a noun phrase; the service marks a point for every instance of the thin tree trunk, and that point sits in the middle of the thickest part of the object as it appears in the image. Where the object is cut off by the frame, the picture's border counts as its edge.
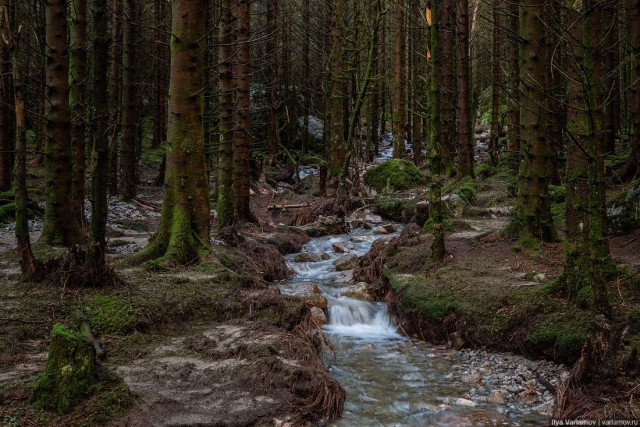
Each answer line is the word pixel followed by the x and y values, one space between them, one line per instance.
pixel 7 116
pixel 417 40
pixel 226 214
pixel 496 85
pixel 306 58
pixel 335 104
pixel 242 128
pixel 632 168
pixel 115 57
pixel 465 134
pixel 399 89
pixel 272 47
pixel 96 246
pixel 58 229
pixel 448 92
pixel 513 146
pixel 128 164
pixel 78 104
pixel 161 67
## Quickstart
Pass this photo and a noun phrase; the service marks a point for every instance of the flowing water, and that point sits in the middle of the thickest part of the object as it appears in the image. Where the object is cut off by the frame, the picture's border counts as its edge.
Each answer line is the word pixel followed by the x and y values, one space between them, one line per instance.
pixel 390 380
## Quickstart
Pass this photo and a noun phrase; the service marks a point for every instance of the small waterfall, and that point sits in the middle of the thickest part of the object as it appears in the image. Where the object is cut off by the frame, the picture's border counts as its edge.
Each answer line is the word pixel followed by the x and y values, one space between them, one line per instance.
pixel 348 316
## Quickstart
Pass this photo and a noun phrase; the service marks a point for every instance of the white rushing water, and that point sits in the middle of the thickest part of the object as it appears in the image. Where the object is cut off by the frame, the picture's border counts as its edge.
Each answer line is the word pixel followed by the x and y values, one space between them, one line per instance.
pixel 391 380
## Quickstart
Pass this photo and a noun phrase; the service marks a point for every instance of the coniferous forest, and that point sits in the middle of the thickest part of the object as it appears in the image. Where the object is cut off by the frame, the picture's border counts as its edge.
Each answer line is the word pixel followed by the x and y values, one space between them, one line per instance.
pixel 319 212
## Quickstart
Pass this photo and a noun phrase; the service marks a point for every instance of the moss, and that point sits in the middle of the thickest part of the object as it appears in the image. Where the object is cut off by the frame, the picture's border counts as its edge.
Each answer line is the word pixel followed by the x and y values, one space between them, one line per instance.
pixel 395 174
pixel 392 208
pixel 561 334
pixel 557 193
pixel 134 224
pixel 483 170
pixel 70 374
pixel 152 156
pixel 113 315
pixel 446 224
pixel 464 187
pixel 8 213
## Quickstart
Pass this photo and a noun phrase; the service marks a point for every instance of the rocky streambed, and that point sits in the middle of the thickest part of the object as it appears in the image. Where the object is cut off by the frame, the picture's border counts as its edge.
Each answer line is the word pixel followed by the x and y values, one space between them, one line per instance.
pixel 394 380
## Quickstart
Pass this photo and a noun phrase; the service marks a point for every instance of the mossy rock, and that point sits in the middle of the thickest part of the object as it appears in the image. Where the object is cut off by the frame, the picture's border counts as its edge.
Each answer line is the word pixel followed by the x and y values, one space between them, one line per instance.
pixel 394 174
pixel 394 209
pixel 71 372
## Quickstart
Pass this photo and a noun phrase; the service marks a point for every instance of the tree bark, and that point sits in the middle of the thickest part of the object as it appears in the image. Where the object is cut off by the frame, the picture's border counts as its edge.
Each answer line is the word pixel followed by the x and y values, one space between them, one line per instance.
pixel 128 162
pixel 399 86
pixel 183 234
pixel 272 47
pixel 7 128
pixel 632 167
pixel 115 58
pixel 448 91
pixel 513 145
pixel 226 214
pixel 465 134
pixel 533 212
pixel 335 127
pixel 96 245
pixel 161 66
pixel 496 85
pixel 78 104
pixel 58 229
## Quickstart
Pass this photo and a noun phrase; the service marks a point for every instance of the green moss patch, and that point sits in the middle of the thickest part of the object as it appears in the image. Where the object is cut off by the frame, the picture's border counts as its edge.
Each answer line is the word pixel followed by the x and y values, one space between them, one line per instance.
pixel 113 314
pixel 394 174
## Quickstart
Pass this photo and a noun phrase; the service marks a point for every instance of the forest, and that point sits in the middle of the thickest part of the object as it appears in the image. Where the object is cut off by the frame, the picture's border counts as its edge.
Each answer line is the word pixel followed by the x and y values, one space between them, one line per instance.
pixel 319 212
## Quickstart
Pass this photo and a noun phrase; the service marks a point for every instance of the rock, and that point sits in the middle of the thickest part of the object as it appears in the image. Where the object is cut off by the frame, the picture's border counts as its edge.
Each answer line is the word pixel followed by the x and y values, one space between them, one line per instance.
pixel 359 291
pixel 540 278
pixel 367 347
pixel 325 225
pixel 70 374
pixel 346 263
pixel 390 228
pixel 529 396
pixel 457 340
pixel 307 257
pixel 453 205
pixel 306 289
pixel 318 316
pixel 497 397
pixel 314 300
pixel 472 378
pixel 422 213
pixel 395 174
pixel 464 402
pixel 546 408
pixel 339 248
pixel 380 230
pixel 324 256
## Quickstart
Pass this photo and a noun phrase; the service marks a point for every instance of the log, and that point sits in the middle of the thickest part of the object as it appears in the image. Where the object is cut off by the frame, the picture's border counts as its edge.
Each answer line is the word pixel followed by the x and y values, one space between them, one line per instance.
pixel 294 206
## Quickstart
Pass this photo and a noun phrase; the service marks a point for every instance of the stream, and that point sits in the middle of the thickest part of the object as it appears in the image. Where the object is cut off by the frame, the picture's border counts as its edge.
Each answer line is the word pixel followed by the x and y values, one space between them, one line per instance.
pixel 392 380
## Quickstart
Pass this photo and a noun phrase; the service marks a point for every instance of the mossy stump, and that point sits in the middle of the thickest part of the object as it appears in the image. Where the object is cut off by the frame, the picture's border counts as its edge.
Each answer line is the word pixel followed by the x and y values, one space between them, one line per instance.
pixel 70 374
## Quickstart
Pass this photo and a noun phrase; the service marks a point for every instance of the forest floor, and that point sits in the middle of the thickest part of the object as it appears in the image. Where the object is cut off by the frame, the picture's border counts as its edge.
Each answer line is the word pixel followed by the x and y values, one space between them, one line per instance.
pixel 178 336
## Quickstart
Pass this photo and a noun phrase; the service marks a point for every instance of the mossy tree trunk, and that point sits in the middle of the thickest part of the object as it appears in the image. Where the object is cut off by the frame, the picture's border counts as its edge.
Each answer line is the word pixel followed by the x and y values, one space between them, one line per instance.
pixel 417 72
pixel 226 213
pixel 437 131
pixel 632 168
pixel 400 81
pixel 59 227
pixel 447 84
pixel 78 103
pixel 334 126
pixel 161 67
pixel 465 134
pixel 587 257
pixel 183 234
pixel 533 211
pixel 274 104
pixel 128 162
pixel 496 84
pixel 96 246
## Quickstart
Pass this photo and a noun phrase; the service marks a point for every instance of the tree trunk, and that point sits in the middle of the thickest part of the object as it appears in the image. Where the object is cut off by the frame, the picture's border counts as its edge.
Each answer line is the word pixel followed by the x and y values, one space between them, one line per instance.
pixel 496 85
pixel 417 39
pixel 115 57
pixel 183 234
pixel 272 47
pixel 437 132
pixel 128 163
pixel 533 213
pixel 58 229
pixel 465 134
pixel 611 76
pixel 6 117
pixel 632 168
pixel 226 214
pixel 335 128
pixel 161 67
pixel 96 246
pixel 399 86
pixel 306 59
pixel 242 134
pixel 78 104
pixel 513 146
pixel 448 91
pixel 28 264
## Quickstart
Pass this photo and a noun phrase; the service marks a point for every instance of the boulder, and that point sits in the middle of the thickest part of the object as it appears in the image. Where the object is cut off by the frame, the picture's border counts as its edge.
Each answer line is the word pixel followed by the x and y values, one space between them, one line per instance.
pixel 71 372
pixel 422 213
pixel 358 291
pixel 395 174
pixel 457 340
pixel 390 228
pixel 346 263
pixel 314 300
pixel 318 316
pixel 339 248
pixel 307 257
pixel 307 289
pixel 453 205
pixel 325 225
pixel 324 256
pixel 465 402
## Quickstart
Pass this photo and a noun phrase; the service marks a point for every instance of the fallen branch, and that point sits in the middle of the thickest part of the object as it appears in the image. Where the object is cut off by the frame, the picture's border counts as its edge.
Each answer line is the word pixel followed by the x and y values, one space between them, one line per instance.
pixel 295 206
pixel 622 245
pixel 145 205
